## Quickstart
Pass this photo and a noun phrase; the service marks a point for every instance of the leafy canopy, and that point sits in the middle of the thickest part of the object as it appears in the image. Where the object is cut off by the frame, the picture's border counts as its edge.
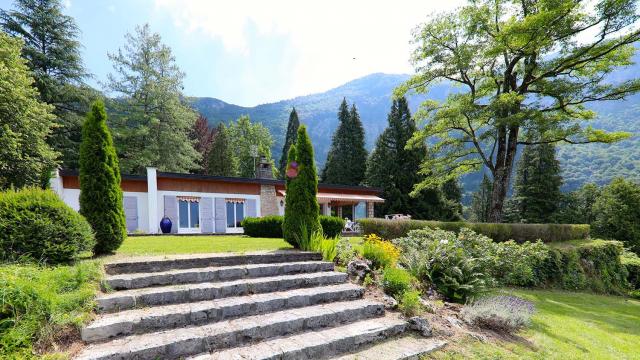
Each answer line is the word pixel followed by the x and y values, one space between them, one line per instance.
pixel 519 65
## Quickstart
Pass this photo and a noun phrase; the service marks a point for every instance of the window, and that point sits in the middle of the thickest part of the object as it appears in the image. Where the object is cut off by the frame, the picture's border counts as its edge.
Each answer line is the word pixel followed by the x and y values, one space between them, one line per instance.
pixel 235 214
pixel 189 214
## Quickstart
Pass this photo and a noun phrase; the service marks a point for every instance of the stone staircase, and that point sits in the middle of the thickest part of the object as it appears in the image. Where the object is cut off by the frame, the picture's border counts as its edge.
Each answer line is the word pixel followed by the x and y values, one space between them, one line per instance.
pixel 275 305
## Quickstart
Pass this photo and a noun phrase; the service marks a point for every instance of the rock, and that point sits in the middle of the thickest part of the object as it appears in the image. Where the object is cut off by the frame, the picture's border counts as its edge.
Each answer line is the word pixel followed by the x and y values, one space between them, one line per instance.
pixel 421 325
pixel 428 306
pixel 358 269
pixel 454 322
pixel 389 302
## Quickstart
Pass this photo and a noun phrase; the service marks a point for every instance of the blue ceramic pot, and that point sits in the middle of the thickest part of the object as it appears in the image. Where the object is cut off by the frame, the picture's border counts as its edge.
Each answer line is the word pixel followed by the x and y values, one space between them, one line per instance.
pixel 165 225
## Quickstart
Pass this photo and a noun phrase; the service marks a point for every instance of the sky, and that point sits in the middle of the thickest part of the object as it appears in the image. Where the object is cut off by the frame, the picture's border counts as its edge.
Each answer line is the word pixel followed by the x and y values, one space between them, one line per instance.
pixel 249 52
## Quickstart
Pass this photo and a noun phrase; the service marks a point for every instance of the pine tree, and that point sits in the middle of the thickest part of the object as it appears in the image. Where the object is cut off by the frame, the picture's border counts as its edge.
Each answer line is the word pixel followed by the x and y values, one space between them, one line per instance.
pixel 100 193
pixel 202 136
pixel 347 159
pixel 153 122
pixel 395 169
pixel 25 122
pixel 537 192
pixel 221 161
pixel 290 139
pixel 52 51
pixel 481 201
pixel 301 209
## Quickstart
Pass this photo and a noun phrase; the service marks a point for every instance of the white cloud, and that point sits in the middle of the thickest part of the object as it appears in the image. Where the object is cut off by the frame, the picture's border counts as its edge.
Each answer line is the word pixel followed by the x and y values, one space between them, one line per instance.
pixel 333 40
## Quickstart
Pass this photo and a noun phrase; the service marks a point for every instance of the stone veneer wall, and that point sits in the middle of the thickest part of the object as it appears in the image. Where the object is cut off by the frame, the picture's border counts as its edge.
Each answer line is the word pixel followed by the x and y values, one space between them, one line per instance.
pixel 268 200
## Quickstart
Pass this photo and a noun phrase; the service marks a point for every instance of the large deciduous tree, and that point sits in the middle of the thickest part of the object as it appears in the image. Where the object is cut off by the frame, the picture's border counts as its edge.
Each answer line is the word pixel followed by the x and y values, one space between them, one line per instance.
pixel 52 51
pixel 221 160
pixel 290 139
pixel 394 168
pixel 25 122
pixel 151 121
pixel 347 159
pixel 100 193
pixel 617 213
pixel 301 218
pixel 520 65
pixel 245 135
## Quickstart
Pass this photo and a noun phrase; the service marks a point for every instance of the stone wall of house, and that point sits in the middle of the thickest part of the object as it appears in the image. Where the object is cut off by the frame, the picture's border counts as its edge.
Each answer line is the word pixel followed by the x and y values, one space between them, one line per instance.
pixel 268 201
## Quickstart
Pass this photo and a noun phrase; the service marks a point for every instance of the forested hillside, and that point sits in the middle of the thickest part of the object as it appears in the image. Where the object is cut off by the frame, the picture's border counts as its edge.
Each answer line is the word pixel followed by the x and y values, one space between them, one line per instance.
pixel 372 95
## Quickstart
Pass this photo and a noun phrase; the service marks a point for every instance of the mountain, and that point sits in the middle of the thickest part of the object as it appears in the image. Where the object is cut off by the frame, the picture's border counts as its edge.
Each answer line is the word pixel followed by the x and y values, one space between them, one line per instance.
pixel 372 95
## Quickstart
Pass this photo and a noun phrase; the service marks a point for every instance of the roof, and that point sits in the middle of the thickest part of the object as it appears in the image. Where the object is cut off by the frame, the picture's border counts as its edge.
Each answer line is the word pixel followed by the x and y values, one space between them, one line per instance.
pixel 171 175
pixel 343 197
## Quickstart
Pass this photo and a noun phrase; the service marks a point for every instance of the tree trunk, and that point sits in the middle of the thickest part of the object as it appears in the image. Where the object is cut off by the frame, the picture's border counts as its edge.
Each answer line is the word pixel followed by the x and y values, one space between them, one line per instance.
pixel 502 171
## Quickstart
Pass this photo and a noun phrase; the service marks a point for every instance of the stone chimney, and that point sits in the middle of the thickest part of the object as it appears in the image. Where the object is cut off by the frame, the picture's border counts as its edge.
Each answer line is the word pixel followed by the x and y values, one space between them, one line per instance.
pixel 264 169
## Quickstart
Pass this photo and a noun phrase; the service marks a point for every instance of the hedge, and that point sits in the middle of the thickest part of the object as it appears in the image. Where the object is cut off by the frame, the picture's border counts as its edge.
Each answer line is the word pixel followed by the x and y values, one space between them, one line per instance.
pixel 393 229
pixel 632 262
pixel 595 266
pixel 37 225
pixel 271 226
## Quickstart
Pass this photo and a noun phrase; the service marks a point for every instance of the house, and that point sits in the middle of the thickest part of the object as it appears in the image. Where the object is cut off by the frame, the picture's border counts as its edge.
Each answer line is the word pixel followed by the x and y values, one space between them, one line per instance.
pixel 213 204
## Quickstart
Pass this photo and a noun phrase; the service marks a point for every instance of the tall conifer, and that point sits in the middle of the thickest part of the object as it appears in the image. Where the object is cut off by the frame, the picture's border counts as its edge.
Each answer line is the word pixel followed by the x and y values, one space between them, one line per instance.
pixel 100 193
pixel 290 139
pixel 347 158
pixel 221 161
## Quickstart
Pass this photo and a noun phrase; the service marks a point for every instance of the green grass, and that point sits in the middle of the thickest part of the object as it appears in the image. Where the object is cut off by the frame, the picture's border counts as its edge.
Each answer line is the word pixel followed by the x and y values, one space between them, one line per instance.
pixel 566 326
pixel 167 244
pixel 41 305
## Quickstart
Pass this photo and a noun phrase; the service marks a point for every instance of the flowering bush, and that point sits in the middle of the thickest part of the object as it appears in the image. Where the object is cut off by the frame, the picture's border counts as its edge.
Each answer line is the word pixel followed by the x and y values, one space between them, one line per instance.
pixel 380 252
pixel 344 252
pixel 500 313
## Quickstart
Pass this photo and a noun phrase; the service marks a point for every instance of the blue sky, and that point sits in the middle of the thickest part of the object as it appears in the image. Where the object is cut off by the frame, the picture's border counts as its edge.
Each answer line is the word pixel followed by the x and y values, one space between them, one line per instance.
pixel 249 52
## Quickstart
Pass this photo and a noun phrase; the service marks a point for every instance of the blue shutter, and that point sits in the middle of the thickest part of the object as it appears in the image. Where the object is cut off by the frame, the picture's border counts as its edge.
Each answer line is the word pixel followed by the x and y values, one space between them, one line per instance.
pixel 251 208
pixel 206 215
pixel 171 211
pixel 220 215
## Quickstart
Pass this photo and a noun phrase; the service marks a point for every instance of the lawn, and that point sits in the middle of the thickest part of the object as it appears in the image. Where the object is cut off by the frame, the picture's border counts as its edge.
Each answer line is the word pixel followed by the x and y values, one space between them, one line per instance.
pixel 168 244
pixel 566 326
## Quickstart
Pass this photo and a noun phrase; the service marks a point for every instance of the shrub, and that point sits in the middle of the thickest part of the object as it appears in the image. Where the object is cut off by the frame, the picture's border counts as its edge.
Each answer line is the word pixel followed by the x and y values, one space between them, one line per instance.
pixel 617 213
pixel 344 252
pixel 267 226
pixel 37 304
pixel 409 303
pixel 500 313
pixel 38 225
pixel 393 229
pixel 438 257
pixel 632 262
pixel 331 225
pixel 327 247
pixel 396 281
pixel 100 192
pixel 301 208
pixel 381 253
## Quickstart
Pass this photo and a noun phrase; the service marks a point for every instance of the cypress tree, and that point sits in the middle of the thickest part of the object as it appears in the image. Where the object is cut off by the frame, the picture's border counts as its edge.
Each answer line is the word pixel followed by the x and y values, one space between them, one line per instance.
pixel 290 139
pixel 347 158
pixel 537 192
pixel 301 210
pixel 221 161
pixel 395 169
pixel 100 193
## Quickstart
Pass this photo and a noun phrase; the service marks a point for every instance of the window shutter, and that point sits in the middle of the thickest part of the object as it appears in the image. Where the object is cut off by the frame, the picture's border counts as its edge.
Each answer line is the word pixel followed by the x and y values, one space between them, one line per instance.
pixel 220 215
pixel 251 208
pixel 171 211
pixel 206 215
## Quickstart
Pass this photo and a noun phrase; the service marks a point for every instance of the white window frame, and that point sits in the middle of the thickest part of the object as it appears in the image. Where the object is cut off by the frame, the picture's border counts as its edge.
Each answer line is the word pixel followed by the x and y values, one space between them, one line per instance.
pixel 234 228
pixel 189 230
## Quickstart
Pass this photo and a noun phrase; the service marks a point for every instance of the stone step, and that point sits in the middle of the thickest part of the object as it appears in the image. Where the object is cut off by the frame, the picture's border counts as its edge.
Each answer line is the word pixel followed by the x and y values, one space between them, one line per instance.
pixel 129 299
pixel 210 274
pixel 143 264
pixel 182 342
pixel 408 347
pixel 315 344
pixel 145 320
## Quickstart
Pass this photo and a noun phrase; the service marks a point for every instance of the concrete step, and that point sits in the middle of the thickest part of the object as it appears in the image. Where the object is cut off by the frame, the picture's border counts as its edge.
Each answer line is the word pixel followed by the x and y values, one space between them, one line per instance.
pixel 407 347
pixel 178 343
pixel 315 344
pixel 157 318
pixel 163 263
pixel 129 299
pixel 210 274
